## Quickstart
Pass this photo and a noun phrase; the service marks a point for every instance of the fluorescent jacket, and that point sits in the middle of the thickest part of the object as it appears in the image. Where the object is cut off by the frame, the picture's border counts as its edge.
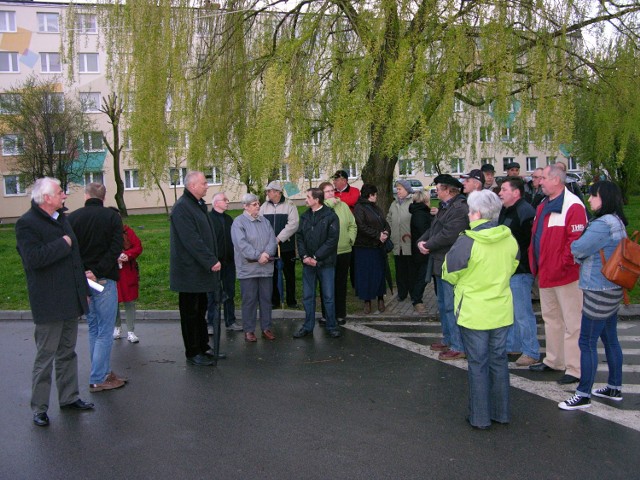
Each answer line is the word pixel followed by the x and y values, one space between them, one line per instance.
pixel 556 265
pixel 480 265
pixel 348 227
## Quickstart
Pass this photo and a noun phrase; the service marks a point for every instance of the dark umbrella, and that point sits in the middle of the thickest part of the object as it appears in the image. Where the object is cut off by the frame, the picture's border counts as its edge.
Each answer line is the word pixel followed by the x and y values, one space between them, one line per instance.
pixel 279 267
pixel 387 271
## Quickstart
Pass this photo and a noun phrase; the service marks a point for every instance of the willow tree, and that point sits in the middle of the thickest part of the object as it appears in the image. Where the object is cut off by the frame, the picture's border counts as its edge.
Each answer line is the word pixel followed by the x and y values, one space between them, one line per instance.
pixel 608 133
pixel 253 80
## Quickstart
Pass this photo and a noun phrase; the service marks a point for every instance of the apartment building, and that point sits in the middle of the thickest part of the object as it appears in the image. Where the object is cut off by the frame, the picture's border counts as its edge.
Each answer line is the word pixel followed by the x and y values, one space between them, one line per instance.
pixel 31 34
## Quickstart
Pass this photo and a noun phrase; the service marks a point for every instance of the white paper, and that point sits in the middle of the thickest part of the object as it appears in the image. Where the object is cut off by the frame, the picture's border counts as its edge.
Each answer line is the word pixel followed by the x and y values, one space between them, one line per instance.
pixel 96 286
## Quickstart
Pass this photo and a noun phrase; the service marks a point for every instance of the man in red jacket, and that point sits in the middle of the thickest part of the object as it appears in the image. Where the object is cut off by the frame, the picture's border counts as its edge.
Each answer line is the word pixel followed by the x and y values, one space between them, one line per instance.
pixel 560 219
pixel 344 191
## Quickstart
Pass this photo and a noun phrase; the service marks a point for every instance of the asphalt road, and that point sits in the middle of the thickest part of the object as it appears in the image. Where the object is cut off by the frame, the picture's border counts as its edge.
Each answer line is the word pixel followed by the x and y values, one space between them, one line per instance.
pixel 364 406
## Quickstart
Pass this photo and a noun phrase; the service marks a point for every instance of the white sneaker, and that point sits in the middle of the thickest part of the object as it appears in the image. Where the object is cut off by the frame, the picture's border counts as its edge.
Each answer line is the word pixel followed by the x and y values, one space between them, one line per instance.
pixel 132 337
pixel 210 329
pixel 117 333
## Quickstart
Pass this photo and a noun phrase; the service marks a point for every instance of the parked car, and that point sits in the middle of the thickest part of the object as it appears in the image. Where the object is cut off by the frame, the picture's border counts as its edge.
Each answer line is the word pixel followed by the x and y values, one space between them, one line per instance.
pixel 415 184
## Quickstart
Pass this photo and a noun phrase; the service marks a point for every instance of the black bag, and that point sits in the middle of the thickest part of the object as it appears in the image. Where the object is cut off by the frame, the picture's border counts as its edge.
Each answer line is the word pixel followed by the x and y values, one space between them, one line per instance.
pixel 388 246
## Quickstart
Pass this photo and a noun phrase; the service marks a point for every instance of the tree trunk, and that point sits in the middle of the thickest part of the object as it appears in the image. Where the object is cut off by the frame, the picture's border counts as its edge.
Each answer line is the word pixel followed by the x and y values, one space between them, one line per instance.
pixel 379 171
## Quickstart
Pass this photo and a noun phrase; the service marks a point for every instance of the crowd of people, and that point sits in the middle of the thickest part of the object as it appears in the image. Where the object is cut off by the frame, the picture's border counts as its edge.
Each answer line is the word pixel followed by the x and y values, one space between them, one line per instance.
pixel 482 247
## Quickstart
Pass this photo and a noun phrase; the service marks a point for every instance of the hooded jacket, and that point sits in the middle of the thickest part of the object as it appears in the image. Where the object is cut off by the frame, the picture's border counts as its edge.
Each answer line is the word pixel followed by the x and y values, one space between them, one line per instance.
pixel 480 265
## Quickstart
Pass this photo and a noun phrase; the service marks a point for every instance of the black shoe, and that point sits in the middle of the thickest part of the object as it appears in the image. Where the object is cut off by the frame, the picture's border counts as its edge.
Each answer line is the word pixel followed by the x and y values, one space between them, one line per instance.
pixel 302 333
pixel 342 321
pixel 41 419
pixel 322 322
pixel 334 333
pixel 201 360
pixel 209 353
pixel 567 379
pixel 540 367
pixel 77 405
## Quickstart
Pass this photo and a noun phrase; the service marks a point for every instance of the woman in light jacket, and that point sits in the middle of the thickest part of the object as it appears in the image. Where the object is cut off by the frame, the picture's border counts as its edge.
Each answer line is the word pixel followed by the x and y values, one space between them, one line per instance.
pixel 601 297
pixel 399 219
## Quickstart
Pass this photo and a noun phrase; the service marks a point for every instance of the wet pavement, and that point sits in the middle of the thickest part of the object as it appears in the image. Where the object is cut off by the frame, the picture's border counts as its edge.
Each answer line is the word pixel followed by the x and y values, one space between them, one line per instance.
pixel 374 404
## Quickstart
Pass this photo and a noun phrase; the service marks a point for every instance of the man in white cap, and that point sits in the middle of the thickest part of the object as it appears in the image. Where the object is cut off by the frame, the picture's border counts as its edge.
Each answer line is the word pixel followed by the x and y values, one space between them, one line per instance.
pixel 283 216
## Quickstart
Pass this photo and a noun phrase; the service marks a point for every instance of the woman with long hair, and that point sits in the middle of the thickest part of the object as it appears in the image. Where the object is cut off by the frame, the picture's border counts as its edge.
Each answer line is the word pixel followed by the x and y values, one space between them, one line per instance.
pixel 601 297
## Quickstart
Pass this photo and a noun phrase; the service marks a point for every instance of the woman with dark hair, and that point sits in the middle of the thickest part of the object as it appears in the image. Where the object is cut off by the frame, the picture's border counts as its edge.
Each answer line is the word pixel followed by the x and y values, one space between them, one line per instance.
pixel 601 297
pixel 368 251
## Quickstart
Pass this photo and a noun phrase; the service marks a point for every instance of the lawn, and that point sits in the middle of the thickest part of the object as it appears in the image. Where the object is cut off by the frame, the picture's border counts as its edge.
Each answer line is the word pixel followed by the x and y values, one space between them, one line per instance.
pixel 153 230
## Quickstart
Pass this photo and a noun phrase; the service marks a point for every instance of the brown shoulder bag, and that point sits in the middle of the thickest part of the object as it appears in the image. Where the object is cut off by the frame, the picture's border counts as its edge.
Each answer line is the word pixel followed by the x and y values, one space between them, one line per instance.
pixel 623 266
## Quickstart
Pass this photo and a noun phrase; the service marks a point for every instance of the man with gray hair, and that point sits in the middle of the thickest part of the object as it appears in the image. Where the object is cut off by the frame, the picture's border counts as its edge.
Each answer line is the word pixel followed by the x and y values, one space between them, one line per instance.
pixel 560 219
pixel 99 232
pixel 194 267
pixel 255 244
pixel 49 251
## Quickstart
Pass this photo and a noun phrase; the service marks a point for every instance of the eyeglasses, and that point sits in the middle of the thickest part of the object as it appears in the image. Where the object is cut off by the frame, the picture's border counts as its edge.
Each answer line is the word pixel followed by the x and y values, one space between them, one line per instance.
pixel 254 204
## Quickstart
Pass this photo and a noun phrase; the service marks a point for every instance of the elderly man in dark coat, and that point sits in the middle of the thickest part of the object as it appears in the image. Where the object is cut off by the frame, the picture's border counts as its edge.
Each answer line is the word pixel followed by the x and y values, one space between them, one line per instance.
pixel 57 293
pixel 194 267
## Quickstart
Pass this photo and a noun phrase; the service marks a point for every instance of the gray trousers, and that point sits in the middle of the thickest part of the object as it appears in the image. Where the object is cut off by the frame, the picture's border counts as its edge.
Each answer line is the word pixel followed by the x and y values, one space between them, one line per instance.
pixel 55 341
pixel 256 291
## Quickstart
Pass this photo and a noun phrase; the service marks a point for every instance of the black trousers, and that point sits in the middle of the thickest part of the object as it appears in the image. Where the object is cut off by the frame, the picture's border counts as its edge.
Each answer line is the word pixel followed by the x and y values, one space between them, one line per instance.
pixel 289 270
pixel 405 275
pixel 193 308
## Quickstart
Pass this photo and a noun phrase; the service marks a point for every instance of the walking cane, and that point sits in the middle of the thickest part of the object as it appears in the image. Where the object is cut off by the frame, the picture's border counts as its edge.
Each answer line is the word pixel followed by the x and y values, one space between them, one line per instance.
pixel 216 324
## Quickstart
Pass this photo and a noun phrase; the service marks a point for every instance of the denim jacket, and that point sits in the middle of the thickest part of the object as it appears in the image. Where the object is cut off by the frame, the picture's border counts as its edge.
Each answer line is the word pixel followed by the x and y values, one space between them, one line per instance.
pixel 604 232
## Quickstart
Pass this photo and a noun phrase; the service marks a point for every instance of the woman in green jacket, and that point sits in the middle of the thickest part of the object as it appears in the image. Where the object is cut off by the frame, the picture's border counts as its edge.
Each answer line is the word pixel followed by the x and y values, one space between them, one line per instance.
pixel 480 265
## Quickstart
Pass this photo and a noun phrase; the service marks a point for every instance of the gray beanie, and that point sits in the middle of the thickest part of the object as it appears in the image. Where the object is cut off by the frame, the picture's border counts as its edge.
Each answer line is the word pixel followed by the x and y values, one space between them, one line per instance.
pixel 405 184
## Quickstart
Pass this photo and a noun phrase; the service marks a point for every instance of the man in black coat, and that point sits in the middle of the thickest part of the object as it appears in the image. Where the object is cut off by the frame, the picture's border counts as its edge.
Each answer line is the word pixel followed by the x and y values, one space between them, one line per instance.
pixel 317 241
pixel 194 268
pixel 99 232
pixel 222 222
pixel 57 289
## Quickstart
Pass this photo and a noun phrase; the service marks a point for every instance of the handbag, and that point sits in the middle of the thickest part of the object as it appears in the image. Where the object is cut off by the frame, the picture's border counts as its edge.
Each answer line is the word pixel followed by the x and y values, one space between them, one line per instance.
pixel 623 266
pixel 388 246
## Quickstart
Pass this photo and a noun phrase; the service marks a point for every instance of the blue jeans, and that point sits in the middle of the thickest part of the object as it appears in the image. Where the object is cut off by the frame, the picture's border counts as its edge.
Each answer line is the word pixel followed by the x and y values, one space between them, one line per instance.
pixel 450 329
pixel 326 277
pixel 590 331
pixel 523 334
pixel 228 279
pixel 488 375
pixel 101 320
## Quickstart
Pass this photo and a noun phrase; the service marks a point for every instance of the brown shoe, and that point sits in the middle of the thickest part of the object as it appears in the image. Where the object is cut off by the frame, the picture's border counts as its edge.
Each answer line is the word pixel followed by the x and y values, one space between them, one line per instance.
pixel 367 308
pixel 113 376
pixel 439 347
pixel 419 308
pixel 451 355
pixel 250 337
pixel 268 334
pixel 525 361
pixel 381 307
pixel 108 384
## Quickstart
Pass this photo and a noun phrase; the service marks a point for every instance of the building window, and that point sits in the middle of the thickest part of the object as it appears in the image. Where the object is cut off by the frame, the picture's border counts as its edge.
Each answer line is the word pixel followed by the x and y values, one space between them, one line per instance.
pixel 213 176
pixel 405 167
pixel 548 137
pixel 12 145
pixel 458 106
pixel 506 135
pixel 50 62
pixel 532 163
pixel 176 176
pixel 352 170
pixel 531 134
pixel 13 185
pixel 486 134
pixel 93 177
pixel 55 102
pixel 457 165
pixel 93 142
pixel 487 161
pixel 127 144
pixel 573 163
pixel 48 22
pixel 131 181
pixel 551 160
pixel 7 21
pixel 9 102
pixel 311 172
pixel 506 161
pixel 58 142
pixel 456 134
pixel 86 23
pixel 284 173
pixel 315 138
pixel 9 62
pixel 90 101
pixel 88 63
